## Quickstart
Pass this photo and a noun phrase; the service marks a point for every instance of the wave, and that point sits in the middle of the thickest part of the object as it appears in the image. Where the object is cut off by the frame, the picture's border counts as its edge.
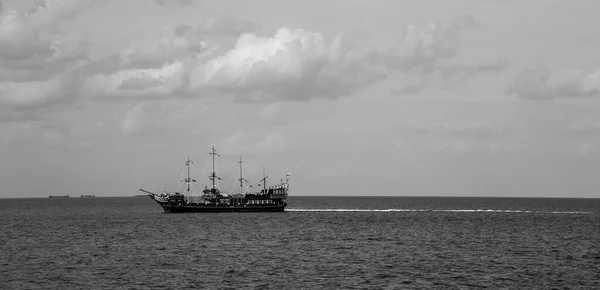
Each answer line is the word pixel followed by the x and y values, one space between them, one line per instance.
pixel 432 210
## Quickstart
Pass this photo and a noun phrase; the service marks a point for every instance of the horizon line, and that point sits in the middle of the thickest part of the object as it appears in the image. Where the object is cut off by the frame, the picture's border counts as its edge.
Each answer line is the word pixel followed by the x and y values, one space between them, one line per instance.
pixel 351 196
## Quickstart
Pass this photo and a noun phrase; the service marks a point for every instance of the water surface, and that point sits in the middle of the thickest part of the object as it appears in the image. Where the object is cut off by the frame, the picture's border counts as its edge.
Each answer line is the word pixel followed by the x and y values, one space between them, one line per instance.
pixel 320 242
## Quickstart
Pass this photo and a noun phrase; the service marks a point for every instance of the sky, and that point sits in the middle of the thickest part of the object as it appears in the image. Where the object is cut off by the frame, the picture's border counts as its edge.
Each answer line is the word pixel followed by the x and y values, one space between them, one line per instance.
pixel 352 97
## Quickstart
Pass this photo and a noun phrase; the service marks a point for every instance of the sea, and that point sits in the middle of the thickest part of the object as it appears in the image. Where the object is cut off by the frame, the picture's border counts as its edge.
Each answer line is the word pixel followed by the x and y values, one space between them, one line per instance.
pixel 318 243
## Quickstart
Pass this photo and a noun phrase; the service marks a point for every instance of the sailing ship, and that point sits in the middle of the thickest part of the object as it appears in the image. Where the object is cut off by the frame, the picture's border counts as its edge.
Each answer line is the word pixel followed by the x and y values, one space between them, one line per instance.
pixel 268 199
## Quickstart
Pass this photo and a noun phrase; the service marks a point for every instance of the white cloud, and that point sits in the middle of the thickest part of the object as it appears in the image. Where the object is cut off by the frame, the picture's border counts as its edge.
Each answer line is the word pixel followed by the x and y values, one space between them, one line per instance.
pixel 141 82
pixel 294 64
pixel 136 83
pixel 423 49
pixel 150 55
pixel 131 121
pixel 432 52
pixel 546 84
pixel 154 71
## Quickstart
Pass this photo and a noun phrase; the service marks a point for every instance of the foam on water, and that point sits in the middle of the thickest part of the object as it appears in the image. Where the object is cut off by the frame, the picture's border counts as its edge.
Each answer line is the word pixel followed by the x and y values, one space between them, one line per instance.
pixel 431 210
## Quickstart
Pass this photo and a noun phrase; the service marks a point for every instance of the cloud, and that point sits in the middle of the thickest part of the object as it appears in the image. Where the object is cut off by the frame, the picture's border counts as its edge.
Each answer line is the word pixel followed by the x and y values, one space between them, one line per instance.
pixel 405 90
pixel 422 49
pixel 456 73
pixel 23 36
pixel 224 25
pixel 432 52
pixel 37 94
pixel 294 64
pixel 46 12
pixel 291 65
pixel 29 92
pixel 135 83
pixel 140 82
pixel 172 2
pixel 131 121
pixel 145 70
pixel 61 59
pixel 149 55
pixel 543 84
pixel 34 67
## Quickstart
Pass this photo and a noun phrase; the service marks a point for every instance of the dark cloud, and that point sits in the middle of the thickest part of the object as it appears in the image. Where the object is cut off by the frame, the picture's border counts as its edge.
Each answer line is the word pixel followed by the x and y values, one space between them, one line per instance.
pixel 36 70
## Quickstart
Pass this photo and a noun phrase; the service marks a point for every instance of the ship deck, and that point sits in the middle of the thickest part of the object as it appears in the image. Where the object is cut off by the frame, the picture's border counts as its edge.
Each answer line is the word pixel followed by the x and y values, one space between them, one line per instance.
pixel 169 208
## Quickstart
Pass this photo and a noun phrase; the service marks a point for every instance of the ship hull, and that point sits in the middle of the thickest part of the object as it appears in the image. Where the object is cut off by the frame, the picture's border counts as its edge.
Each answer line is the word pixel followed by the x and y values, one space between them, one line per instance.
pixel 208 209
pixel 198 208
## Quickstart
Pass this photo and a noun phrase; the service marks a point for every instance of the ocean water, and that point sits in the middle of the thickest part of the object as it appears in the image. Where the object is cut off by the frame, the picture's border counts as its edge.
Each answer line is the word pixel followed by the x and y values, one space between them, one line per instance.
pixel 319 243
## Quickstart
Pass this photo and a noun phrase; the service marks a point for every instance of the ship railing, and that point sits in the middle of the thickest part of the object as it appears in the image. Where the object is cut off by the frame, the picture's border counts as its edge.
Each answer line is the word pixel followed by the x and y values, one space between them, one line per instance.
pixel 260 201
pixel 280 185
pixel 194 199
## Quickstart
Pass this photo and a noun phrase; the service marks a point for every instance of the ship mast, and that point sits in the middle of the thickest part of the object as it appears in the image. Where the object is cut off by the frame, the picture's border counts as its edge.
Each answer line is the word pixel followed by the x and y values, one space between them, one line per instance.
pixel 241 177
pixel 213 176
pixel 264 181
pixel 188 180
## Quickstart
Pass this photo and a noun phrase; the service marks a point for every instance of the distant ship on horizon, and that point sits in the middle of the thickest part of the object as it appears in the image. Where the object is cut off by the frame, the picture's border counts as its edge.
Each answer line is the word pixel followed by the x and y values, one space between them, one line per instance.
pixel 269 199
pixel 87 195
pixel 59 196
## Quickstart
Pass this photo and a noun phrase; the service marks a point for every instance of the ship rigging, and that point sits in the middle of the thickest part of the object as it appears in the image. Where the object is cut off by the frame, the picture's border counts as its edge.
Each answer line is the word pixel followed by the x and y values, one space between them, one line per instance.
pixel 272 199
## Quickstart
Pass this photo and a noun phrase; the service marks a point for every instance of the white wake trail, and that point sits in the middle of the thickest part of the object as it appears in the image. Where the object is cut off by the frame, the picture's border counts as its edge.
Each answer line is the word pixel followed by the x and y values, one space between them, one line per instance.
pixel 431 210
